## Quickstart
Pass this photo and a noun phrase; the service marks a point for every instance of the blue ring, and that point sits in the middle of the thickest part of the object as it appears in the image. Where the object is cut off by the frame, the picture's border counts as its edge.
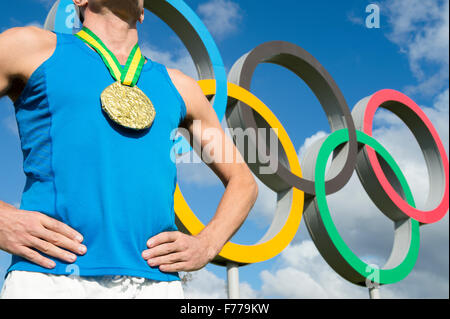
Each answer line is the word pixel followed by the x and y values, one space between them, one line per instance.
pixel 221 99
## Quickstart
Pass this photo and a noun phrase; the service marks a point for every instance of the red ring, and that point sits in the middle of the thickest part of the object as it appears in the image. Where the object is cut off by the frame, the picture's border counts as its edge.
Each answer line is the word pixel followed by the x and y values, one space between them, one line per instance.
pixel 425 217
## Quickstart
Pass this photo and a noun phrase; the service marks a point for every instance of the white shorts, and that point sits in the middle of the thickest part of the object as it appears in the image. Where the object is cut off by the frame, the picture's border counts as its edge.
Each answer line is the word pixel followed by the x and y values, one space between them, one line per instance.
pixel 31 285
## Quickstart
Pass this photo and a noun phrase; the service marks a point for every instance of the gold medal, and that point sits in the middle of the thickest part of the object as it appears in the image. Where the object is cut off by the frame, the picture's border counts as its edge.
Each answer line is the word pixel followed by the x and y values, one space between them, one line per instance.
pixel 123 101
pixel 128 106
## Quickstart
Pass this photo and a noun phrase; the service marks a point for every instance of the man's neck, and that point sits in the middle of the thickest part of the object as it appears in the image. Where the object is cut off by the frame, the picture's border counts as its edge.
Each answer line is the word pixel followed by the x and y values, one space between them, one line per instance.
pixel 119 36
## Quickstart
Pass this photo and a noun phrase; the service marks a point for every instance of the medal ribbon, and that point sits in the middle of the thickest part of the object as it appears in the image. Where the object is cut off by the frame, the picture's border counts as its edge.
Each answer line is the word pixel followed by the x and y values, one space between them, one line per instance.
pixel 128 75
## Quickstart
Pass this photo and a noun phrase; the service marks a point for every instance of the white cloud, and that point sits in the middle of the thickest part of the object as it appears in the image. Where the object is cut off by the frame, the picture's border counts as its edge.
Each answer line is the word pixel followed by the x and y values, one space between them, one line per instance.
pixel 175 59
pixel 421 29
pixel 310 141
pixel 221 17
pixel 206 285
pixel 292 283
pixel 439 116
pixel 303 274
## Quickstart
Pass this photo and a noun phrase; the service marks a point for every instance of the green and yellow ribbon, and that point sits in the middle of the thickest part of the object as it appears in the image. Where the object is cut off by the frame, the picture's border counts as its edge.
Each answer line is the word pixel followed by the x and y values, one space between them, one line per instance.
pixel 127 75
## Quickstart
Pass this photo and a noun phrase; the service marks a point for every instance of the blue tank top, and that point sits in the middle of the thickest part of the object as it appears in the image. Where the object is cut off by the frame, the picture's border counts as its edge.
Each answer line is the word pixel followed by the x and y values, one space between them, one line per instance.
pixel 113 185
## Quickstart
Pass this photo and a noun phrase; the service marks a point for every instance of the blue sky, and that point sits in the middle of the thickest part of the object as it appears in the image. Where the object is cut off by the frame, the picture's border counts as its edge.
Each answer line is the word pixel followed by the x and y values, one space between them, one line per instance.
pixel 409 53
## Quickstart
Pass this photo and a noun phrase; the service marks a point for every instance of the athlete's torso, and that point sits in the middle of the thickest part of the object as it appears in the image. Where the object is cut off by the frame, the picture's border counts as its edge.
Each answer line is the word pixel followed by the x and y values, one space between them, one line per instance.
pixel 113 185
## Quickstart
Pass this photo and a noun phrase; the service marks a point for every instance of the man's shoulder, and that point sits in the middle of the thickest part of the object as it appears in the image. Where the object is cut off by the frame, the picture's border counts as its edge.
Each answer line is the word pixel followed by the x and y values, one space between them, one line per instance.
pixel 26 45
pixel 27 37
pixel 180 77
pixel 187 86
pixel 22 50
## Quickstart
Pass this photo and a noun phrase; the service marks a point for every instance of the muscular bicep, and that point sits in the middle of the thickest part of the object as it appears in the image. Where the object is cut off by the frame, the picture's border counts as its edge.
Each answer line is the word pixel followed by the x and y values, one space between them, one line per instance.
pixel 209 139
pixel 204 131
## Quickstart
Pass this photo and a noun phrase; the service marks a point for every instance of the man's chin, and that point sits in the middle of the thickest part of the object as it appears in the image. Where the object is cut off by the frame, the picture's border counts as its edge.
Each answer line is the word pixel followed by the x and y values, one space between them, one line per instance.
pixel 133 8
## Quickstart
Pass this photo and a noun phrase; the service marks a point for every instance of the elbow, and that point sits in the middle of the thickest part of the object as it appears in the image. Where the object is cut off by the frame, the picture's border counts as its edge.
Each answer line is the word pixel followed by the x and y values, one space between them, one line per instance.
pixel 243 182
pixel 251 187
pixel 255 191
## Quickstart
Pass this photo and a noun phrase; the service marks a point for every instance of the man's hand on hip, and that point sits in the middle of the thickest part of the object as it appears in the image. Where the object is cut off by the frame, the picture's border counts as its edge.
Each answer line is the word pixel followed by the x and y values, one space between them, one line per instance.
pixel 175 251
pixel 24 232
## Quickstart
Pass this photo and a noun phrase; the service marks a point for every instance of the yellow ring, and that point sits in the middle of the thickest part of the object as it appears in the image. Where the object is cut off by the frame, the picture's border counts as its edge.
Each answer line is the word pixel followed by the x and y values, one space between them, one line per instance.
pixel 244 254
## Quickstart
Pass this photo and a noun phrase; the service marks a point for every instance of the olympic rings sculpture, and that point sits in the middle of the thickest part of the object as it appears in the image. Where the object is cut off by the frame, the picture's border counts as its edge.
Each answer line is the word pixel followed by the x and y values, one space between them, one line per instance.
pixel 306 191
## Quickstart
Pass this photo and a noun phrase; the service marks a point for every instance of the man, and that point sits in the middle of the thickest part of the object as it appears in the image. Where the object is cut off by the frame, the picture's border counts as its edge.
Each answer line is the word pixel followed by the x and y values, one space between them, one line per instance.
pixel 98 200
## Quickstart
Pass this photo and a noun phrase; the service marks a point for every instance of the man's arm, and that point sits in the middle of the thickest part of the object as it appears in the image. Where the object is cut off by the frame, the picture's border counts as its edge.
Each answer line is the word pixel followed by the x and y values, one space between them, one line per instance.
pixel 24 233
pixel 22 50
pixel 174 251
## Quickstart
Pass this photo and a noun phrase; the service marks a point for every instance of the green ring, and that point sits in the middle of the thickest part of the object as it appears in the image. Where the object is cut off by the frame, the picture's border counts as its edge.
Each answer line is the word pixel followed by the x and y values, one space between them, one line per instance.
pixel 386 276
